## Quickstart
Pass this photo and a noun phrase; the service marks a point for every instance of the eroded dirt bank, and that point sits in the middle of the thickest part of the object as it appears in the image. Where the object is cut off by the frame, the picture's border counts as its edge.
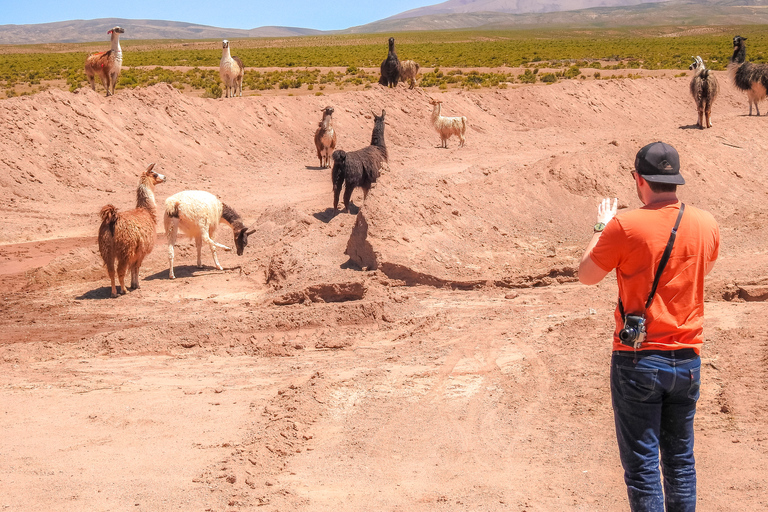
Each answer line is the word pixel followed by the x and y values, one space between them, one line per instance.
pixel 431 350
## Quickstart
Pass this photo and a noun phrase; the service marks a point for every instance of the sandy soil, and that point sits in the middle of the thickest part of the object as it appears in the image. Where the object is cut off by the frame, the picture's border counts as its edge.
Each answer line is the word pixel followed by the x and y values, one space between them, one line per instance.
pixel 430 350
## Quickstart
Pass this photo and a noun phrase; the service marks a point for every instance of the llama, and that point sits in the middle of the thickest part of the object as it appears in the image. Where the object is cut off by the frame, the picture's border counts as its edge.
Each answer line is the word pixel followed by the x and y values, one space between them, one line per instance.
pixel 325 138
pixel 390 68
pixel 359 168
pixel 231 70
pixel 409 70
pixel 129 237
pixel 749 77
pixel 704 90
pixel 448 126
pixel 197 214
pixel 106 64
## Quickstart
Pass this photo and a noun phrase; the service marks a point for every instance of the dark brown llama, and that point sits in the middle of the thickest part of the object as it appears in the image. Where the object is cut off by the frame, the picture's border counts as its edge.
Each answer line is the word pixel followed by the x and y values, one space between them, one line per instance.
pixel 129 237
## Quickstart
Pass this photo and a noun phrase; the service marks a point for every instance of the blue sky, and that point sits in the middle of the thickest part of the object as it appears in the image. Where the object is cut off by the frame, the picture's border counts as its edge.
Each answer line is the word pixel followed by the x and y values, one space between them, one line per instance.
pixel 317 14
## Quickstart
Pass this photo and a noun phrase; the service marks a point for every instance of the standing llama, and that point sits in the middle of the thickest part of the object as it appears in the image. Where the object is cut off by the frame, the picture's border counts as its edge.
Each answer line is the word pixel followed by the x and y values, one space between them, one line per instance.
pixel 750 78
pixel 390 68
pixel 704 90
pixel 129 237
pixel 359 168
pixel 231 70
pixel 106 64
pixel 325 138
pixel 448 126
pixel 197 213
pixel 409 70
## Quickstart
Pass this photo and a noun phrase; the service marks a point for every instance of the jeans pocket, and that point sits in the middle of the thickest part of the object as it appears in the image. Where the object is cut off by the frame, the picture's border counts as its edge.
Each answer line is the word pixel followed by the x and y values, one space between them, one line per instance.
pixel 693 391
pixel 637 384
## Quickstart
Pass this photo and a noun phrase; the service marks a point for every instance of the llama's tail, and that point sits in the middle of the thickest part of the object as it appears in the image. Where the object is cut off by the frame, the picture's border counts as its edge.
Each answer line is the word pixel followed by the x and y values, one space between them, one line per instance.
pixel 108 216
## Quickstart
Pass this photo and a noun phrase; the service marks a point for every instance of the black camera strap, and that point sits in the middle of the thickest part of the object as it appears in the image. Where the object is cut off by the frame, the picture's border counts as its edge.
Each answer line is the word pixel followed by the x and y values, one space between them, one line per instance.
pixel 662 264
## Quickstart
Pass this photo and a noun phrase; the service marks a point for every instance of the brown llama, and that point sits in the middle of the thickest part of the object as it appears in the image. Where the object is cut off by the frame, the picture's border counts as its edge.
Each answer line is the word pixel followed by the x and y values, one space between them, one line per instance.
pixel 106 65
pixel 129 237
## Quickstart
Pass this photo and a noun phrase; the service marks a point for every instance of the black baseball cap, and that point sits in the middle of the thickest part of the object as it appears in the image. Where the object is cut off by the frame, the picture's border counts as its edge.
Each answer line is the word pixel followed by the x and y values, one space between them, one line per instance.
pixel 660 163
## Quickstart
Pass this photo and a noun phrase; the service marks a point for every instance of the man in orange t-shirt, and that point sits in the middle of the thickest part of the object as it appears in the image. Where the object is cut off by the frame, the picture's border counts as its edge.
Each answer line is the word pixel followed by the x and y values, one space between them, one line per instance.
pixel 655 382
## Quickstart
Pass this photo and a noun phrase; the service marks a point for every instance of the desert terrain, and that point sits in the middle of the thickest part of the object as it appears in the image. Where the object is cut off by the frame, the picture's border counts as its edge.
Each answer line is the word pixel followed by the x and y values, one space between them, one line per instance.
pixel 431 349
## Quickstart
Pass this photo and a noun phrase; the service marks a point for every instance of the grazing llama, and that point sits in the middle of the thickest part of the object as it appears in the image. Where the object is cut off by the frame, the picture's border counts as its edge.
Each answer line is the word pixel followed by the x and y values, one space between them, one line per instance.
pixel 106 64
pixel 448 126
pixel 231 70
pixel 325 138
pixel 704 90
pixel 359 168
pixel 750 78
pixel 129 237
pixel 196 214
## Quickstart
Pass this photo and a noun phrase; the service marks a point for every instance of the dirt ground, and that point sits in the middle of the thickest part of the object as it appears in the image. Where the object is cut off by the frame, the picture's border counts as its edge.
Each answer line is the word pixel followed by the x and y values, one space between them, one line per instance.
pixel 431 350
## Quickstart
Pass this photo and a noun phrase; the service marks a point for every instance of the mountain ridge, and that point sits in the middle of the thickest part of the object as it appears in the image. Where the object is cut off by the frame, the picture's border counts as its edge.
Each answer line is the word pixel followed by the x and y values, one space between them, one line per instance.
pixel 651 13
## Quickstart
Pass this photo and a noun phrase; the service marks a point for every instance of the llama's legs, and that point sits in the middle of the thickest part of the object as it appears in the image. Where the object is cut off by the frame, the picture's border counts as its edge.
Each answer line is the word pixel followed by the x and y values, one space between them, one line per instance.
pixel 111 271
pixel 104 83
pixel 121 268
pixel 135 276
pixel 170 236
pixel 336 192
pixel 112 82
pixel 347 196
pixel 213 245
pixel 199 246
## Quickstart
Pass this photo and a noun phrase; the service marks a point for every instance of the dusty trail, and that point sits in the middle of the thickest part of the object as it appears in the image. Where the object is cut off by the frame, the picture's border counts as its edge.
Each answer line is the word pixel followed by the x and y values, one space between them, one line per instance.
pixel 468 371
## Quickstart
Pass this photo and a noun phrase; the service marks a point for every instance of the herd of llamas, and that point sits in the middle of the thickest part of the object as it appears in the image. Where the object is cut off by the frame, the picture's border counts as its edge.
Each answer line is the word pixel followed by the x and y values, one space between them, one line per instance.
pixel 126 238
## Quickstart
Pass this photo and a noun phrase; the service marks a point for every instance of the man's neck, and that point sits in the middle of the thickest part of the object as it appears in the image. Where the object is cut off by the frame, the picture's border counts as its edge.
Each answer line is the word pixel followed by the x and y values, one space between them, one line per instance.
pixel 663 197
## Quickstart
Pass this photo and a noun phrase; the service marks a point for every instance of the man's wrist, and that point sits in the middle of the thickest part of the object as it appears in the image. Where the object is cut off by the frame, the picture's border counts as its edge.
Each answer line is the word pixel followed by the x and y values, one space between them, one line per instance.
pixel 599 227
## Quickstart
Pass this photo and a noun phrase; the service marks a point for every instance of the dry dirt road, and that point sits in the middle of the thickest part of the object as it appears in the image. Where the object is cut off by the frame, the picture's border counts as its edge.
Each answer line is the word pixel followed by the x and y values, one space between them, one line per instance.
pixel 464 368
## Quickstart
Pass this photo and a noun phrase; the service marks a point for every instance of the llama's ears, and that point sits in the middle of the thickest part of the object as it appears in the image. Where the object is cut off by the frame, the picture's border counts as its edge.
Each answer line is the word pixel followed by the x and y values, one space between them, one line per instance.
pixel 250 232
pixel 151 166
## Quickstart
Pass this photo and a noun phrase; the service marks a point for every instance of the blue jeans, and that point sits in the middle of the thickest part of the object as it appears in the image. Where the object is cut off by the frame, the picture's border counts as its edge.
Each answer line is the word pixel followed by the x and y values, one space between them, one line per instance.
pixel 654 396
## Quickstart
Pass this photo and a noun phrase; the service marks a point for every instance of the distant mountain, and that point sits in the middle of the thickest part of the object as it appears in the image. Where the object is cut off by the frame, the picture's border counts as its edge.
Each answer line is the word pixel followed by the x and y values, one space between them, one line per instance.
pixel 674 12
pixel 450 15
pixel 514 6
pixel 82 31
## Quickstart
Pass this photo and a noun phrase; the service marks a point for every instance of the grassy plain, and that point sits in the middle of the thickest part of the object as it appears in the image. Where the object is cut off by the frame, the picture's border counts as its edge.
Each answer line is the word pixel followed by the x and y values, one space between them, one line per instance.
pixel 193 64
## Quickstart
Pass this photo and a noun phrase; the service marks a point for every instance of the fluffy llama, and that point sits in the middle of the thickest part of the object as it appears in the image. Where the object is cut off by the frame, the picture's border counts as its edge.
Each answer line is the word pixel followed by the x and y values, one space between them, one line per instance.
pixel 448 126
pixel 359 168
pixel 129 236
pixel 106 64
pixel 390 68
pixel 750 78
pixel 197 214
pixel 325 138
pixel 231 70
pixel 704 90
pixel 409 70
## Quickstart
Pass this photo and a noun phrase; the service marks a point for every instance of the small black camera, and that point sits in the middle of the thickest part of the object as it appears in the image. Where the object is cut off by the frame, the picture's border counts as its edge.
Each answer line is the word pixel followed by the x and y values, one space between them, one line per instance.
pixel 633 333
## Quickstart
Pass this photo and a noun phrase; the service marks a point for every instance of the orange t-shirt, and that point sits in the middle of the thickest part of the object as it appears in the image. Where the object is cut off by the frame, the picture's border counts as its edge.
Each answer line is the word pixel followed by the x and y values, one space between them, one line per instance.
pixel 633 243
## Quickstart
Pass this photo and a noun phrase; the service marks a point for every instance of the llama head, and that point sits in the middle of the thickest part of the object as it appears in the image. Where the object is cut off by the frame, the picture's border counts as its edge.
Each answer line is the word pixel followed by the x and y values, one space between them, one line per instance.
pixel 391 44
pixel 241 239
pixel 116 30
pixel 697 63
pixel 339 157
pixel 327 111
pixel 225 44
pixel 151 177
pixel 435 102
pixel 739 50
